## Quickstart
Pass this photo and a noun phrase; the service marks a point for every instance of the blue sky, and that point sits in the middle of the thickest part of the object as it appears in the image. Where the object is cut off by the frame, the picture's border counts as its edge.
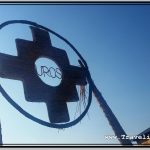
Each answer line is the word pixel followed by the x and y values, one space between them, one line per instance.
pixel 114 40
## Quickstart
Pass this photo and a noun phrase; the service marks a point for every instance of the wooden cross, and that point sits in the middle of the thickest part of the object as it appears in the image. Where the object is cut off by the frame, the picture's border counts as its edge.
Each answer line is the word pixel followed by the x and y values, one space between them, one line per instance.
pixel 22 67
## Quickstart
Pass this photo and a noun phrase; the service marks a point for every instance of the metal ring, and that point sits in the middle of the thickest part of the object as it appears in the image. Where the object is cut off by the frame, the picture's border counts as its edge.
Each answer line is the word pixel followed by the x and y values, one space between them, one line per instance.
pixel 26 114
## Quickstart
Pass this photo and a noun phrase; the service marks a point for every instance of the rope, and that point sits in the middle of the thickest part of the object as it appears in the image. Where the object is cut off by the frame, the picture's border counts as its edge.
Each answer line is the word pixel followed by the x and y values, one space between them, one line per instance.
pixel 84 65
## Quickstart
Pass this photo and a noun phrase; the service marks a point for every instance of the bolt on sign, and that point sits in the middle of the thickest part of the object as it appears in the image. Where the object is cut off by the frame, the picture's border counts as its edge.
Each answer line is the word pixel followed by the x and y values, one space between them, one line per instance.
pixel 22 67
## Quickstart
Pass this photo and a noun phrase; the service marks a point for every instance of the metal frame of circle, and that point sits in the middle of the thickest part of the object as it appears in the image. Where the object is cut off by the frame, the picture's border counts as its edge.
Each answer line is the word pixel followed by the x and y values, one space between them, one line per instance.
pixel 81 61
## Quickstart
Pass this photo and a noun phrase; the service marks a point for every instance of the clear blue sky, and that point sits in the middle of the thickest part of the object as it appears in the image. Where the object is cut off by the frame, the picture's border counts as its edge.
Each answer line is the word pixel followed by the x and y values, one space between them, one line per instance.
pixel 114 40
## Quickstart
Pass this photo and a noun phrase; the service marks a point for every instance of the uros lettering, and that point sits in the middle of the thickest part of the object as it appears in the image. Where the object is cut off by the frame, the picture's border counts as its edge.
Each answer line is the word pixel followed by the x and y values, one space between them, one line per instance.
pixel 50 72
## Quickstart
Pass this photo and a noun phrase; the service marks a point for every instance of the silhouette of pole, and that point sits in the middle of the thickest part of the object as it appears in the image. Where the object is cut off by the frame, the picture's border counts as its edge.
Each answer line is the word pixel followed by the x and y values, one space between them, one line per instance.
pixel 113 121
pixel 1 142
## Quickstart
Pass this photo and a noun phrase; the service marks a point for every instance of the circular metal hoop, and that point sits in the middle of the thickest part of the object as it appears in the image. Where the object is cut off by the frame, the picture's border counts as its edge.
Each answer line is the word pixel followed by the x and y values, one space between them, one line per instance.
pixel 28 115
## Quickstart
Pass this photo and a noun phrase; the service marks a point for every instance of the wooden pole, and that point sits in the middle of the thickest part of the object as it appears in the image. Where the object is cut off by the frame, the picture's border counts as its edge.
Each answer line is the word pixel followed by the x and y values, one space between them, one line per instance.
pixel 113 121
pixel 1 142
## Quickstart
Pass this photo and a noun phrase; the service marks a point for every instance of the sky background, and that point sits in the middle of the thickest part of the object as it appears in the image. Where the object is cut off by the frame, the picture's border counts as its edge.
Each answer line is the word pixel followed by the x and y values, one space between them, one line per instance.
pixel 114 40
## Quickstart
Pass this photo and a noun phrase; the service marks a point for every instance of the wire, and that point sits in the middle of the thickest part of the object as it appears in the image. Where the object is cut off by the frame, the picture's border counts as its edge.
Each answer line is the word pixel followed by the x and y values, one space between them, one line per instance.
pixel 84 65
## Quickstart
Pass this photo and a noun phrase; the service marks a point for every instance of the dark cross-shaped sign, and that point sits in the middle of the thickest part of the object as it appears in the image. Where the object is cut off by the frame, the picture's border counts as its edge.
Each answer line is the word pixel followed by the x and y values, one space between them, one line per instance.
pixel 22 67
